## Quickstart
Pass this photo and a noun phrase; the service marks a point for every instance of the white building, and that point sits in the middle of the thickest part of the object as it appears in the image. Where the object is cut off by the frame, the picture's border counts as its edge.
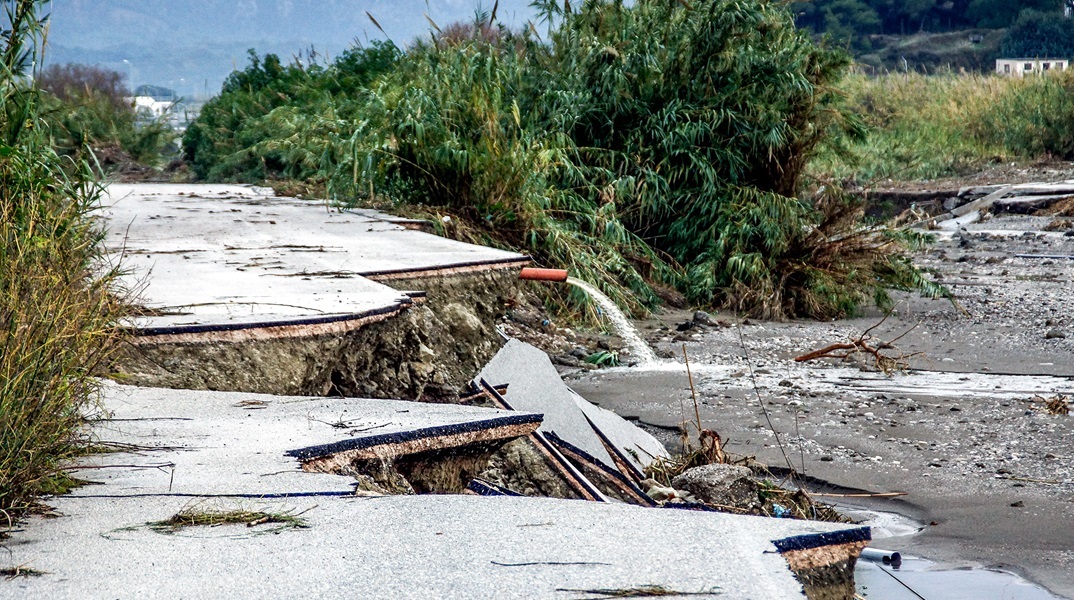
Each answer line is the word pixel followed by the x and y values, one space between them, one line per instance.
pixel 151 107
pixel 1020 67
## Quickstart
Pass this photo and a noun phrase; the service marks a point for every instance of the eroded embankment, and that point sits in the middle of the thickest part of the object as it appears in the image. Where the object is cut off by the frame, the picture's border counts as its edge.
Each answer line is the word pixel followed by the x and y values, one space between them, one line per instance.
pixel 426 350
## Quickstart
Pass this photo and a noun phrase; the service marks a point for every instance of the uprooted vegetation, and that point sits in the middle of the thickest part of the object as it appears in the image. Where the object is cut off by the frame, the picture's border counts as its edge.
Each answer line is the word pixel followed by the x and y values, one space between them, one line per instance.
pixel 193 516
pixel 642 146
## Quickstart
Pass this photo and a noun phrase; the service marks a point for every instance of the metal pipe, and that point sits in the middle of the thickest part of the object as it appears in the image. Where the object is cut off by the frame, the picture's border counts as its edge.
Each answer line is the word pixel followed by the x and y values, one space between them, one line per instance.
pixel 533 274
pixel 886 557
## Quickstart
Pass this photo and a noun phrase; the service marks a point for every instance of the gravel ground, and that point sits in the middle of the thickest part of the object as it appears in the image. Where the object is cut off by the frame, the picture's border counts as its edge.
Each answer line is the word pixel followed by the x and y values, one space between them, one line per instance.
pixel 964 431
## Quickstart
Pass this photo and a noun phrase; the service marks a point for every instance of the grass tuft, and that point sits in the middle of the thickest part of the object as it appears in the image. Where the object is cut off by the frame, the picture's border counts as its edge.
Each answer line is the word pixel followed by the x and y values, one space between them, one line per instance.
pixel 58 294
pixel 194 517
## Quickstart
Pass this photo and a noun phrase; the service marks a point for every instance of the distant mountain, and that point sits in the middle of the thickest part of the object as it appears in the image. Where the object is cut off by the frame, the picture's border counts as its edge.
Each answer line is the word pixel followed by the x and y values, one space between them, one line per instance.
pixel 192 45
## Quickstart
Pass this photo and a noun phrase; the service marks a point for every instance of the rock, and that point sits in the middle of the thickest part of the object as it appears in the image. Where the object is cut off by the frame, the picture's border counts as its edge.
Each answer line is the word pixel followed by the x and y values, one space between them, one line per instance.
pixel 661 493
pixel 703 318
pixel 1018 504
pixel 579 352
pixel 728 485
pixel 684 326
pixel 1054 334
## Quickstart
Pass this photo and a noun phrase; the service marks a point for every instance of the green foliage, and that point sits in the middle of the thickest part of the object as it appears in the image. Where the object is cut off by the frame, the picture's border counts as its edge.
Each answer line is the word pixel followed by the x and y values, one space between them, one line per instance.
pixel 86 110
pixel 701 120
pixel 853 21
pixel 604 358
pixel 1039 34
pixel 1002 13
pixel 949 124
pixel 652 143
pixel 220 144
pixel 56 310
pixel 1034 118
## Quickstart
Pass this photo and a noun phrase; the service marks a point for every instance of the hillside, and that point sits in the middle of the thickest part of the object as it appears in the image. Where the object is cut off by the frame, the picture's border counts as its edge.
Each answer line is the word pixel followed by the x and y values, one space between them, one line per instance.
pixel 970 50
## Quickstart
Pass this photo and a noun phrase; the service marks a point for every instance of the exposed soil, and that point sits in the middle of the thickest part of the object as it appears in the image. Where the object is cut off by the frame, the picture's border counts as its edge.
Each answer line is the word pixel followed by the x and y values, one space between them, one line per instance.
pixel 967 432
pixel 429 352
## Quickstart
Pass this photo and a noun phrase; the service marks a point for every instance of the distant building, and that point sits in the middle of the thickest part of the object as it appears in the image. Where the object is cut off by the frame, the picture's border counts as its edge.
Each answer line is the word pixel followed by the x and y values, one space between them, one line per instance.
pixel 151 107
pixel 1020 67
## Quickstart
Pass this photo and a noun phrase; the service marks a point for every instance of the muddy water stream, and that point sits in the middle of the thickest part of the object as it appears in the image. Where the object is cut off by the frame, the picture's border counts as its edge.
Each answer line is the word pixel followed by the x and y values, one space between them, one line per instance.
pixel 915 578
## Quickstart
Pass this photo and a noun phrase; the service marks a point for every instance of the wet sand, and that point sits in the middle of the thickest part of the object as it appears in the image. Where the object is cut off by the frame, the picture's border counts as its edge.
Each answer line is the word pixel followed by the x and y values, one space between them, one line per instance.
pixel 984 465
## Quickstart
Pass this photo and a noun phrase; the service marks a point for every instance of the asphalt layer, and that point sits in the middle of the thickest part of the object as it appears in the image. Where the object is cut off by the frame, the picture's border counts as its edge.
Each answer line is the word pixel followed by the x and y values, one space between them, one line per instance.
pixel 210 452
pixel 983 465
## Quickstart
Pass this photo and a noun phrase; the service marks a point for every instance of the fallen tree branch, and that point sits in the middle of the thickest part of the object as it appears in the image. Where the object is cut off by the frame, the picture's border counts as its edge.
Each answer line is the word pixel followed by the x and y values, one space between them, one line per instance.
pixel 865 344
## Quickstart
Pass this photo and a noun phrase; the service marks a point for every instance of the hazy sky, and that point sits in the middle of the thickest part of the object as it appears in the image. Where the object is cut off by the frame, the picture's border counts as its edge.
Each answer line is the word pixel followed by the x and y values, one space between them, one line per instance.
pixel 191 45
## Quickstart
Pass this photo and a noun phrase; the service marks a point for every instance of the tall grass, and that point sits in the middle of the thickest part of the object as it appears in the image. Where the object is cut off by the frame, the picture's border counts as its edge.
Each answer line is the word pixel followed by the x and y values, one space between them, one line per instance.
pixel 950 124
pixel 642 145
pixel 56 304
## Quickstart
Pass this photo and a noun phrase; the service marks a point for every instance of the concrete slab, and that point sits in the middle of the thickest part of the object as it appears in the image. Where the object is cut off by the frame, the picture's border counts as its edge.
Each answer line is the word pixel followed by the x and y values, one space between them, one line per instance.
pixel 225 256
pixel 217 451
pixel 534 385
pixel 636 447
pixel 401 547
pixel 196 443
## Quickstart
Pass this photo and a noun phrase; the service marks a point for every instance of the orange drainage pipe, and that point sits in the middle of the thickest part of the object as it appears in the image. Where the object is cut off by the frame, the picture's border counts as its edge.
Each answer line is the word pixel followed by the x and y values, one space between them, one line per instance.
pixel 543 274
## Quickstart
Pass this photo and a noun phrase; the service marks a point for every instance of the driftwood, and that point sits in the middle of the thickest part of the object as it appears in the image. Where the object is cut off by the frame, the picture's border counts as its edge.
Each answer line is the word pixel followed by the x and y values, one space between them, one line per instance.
pixel 865 344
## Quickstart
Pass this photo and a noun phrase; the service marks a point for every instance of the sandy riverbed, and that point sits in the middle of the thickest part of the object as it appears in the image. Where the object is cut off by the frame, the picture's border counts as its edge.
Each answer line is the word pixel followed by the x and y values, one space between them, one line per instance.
pixel 981 462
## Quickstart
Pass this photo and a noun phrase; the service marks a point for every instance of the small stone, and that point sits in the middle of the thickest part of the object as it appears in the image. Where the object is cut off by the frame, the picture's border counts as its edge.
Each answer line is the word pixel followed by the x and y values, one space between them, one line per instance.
pixel 1055 334
pixel 786 383
pixel 1018 504
pixel 661 493
pixel 703 318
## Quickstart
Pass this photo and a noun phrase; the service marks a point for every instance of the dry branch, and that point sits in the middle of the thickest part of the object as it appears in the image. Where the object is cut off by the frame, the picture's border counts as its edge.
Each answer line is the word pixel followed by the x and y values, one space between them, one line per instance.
pixel 865 344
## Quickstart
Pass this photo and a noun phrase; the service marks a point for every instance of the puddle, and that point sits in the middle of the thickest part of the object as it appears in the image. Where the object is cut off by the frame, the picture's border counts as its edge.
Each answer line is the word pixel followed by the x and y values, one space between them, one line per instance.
pixel 918 578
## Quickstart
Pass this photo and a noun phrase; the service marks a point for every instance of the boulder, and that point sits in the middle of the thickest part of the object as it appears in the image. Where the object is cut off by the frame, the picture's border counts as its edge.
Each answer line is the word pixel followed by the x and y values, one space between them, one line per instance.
pixel 727 485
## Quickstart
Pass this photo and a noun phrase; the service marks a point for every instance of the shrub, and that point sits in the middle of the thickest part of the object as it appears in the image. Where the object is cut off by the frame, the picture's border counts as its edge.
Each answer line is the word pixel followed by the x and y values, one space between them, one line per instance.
pixel 657 143
pixel 57 313
pixel 86 108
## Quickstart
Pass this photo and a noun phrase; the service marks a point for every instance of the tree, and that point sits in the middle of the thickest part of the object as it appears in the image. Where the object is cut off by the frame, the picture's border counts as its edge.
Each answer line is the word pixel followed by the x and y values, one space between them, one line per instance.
pixel 1039 34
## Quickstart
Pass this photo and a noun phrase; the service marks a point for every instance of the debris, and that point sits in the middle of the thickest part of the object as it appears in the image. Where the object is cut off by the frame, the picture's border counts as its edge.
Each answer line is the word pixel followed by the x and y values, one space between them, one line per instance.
pixel 20 571
pixel 865 344
pixel 1056 405
pixel 192 517
pixel 643 591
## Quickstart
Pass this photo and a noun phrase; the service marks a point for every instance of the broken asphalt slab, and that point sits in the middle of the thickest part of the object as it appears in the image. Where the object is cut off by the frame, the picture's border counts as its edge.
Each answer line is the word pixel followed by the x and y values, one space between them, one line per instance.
pixel 228 257
pixel 534 384
pixel 215 451
pixel 433 546
pixel 189 443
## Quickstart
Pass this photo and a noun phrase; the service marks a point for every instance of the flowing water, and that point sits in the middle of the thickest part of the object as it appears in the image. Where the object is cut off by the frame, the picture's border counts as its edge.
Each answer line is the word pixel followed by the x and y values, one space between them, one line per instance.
pixel 619 322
